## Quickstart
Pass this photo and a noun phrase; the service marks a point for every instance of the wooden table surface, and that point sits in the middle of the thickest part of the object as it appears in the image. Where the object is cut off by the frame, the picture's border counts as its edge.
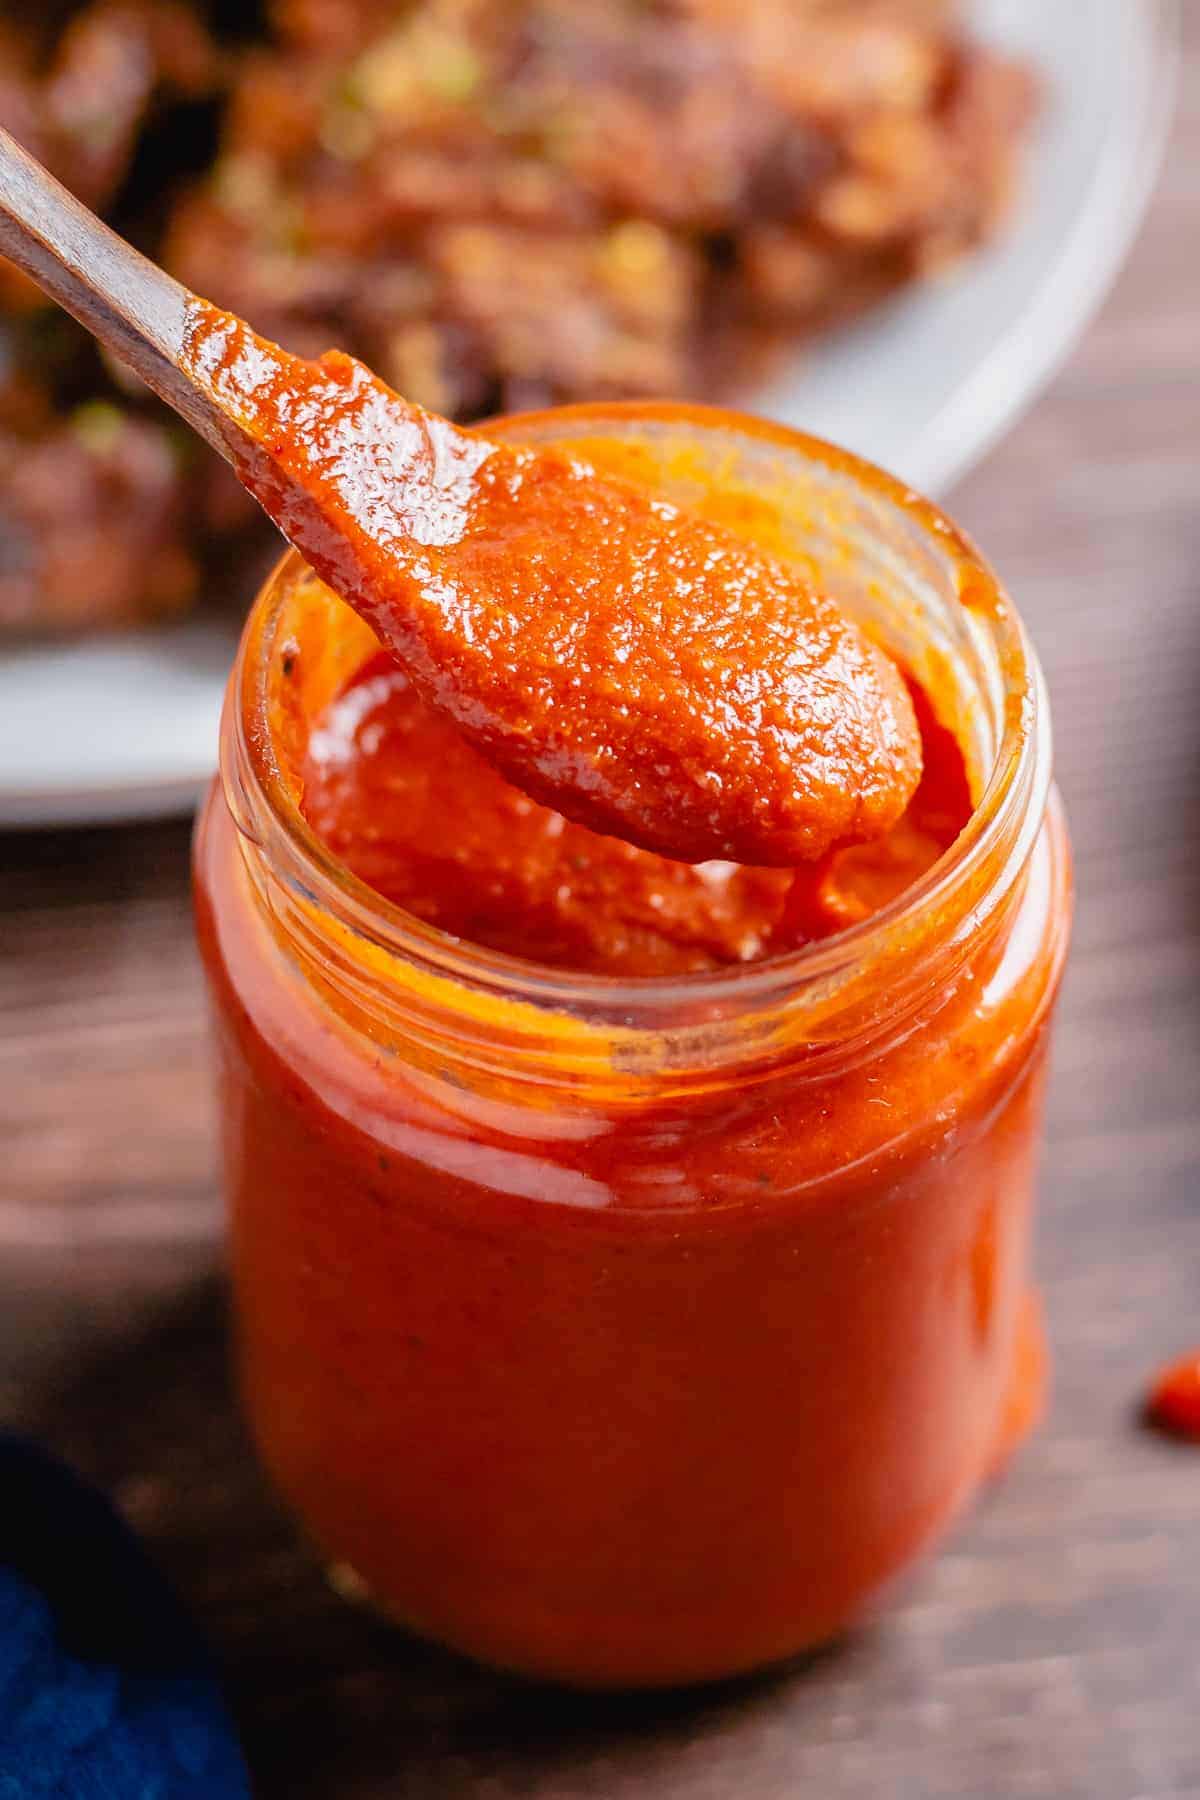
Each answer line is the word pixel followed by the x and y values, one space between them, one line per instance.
pixel 1053 1648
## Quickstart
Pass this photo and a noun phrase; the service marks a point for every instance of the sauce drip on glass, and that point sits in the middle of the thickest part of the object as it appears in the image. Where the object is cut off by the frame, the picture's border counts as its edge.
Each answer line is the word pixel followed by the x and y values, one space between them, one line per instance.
pixel 1174 1403
pixel 639 669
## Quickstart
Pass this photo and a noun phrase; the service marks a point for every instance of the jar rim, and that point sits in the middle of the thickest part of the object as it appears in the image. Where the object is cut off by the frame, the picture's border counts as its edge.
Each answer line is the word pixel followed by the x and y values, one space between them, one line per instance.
pixel 1010 807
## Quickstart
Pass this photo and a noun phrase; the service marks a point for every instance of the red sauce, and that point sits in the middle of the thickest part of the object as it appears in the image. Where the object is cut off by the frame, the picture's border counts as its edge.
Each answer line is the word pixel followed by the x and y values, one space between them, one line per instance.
pixel 642 670
pixel 638 1340
pixel 396 791
pixel 1174 1402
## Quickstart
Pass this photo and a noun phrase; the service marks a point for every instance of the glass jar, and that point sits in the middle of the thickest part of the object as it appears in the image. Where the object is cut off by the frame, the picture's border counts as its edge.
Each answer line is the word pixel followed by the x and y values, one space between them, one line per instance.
pixel 635 1332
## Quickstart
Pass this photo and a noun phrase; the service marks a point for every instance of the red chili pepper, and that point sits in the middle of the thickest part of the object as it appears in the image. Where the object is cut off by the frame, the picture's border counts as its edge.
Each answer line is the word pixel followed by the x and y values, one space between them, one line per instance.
pixel 1174 1402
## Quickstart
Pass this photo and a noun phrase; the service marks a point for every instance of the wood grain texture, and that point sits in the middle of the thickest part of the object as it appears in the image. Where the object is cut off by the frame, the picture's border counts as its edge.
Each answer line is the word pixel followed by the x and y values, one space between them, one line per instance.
pixel 1053 1648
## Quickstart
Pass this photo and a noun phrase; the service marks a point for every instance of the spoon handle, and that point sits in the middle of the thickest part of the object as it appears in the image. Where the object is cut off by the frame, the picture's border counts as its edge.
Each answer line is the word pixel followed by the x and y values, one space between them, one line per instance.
pixel 133 307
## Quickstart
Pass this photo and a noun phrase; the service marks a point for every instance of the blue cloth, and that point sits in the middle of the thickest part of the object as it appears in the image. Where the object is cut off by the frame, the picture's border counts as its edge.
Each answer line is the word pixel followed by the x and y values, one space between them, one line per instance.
pixel 106 1692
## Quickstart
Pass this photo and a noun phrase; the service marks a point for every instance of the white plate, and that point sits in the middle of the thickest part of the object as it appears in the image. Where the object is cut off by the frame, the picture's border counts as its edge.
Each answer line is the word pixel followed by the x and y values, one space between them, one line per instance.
pixel 125 728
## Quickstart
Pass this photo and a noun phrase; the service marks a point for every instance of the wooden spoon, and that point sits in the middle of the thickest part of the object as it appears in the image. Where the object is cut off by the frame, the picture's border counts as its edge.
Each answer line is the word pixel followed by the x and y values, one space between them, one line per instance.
pixel 640 669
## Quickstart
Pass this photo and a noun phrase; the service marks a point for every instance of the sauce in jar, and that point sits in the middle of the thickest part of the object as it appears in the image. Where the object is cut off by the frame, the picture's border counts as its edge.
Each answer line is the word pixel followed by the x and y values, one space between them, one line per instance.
pixel 383 774
pixel 630 1256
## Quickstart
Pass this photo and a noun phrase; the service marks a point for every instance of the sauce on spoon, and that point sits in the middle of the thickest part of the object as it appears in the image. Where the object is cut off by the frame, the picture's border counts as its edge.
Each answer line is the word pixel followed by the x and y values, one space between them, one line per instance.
pixel 640 669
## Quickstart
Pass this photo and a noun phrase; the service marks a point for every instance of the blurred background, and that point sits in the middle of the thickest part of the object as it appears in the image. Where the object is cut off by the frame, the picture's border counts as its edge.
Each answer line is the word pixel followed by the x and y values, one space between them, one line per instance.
pixel 893 222
pixel 498 207
pixel 883 220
